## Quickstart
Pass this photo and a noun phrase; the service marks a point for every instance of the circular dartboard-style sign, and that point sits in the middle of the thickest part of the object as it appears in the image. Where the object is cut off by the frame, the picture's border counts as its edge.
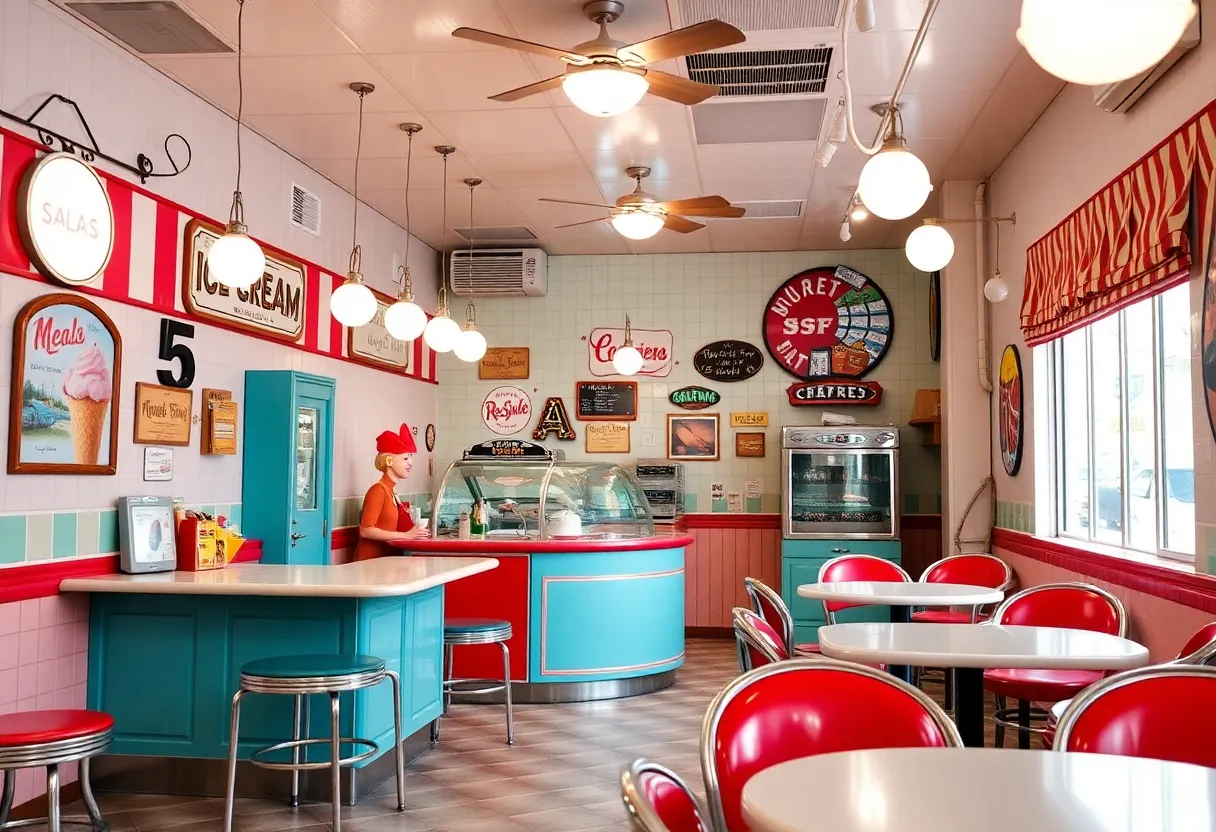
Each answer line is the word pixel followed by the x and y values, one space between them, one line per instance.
pixel 506 410
pixel 828 323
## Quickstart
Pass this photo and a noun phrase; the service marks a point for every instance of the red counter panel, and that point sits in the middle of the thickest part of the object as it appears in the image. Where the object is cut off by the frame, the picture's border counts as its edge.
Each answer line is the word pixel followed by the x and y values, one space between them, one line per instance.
pixel 498 593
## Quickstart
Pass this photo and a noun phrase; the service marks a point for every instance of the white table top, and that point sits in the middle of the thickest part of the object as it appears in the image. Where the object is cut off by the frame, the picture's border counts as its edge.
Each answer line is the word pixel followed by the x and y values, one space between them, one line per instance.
pixel 980 646
pixel 965 789
pixel 382 577
pixel 902 593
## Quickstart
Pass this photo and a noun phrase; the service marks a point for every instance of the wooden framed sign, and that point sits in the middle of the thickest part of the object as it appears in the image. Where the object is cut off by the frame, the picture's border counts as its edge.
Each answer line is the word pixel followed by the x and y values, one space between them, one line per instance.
pixel 219 423
pixel 373 344
pixel 504 363
pixel 162 414
pixel 63 403
pixel 610 401
pixel 834 391
pixel 758 419
pixel 607 438
pixel 749 443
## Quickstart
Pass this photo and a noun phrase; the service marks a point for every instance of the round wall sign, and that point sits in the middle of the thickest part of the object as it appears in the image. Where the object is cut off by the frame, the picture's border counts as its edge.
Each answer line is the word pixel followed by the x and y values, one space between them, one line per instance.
pixel 430 438
pixel 1009 411
pixel 65 219
pixel 506 410
pixel 828 322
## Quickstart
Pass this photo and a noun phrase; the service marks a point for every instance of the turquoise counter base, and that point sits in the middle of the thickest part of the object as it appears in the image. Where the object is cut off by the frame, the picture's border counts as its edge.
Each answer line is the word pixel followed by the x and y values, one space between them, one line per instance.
pixel 166 667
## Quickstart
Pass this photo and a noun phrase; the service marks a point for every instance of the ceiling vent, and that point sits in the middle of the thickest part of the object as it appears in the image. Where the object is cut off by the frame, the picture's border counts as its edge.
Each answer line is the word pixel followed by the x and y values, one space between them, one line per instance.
pixel 152 27
pixel 771 209
pixel 763 15
pixel 499 273
pixel 1123 95
pixel 759 122
pixel 305 210
pixel 498 234
pixel 768 72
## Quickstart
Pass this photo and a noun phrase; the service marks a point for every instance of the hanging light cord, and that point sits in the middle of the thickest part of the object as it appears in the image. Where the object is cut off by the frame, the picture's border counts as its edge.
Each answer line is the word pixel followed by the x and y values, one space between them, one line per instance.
pixel 358 152
pixel 237 212
pixel 443 243
pixel 628 333
pixel 470 313
pixel 407 288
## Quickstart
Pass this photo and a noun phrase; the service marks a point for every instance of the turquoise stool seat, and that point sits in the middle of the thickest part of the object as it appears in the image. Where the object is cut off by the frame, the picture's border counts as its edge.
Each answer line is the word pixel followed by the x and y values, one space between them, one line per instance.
pixel 475 631
pixel 304 667
pixel 475 627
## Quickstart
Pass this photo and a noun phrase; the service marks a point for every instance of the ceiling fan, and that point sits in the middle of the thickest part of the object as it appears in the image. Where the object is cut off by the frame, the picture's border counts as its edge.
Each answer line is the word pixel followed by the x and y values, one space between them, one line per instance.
pixel 639 216
pixel 605 77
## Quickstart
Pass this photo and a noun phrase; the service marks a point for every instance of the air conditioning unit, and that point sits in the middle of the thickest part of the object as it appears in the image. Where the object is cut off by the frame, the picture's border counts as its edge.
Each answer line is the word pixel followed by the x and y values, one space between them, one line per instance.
pixel 1122 96
pixel 499 272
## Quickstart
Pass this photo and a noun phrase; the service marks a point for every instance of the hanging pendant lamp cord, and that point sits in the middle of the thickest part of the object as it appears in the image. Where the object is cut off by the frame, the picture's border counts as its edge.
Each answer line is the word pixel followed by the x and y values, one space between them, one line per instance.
pixel 237 212
pixel 358 153
pixel 443 244
pixel 470 314
pixel 406 284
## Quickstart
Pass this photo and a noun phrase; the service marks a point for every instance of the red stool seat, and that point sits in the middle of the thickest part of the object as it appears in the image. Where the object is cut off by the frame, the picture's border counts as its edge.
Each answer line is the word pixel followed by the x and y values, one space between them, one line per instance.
pixel 945 617
pixel 1033 685
pixel 38 727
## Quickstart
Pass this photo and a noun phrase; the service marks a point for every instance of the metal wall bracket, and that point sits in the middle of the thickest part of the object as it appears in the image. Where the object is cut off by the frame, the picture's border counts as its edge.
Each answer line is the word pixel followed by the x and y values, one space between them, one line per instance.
pixel 143 167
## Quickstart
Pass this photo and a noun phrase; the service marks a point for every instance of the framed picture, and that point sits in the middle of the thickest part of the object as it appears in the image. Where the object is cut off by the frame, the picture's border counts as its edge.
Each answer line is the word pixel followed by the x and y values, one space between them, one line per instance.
pixel 162 414
pixel 692 437
pixel 63 406
pixel 749 443
pixel 1009 411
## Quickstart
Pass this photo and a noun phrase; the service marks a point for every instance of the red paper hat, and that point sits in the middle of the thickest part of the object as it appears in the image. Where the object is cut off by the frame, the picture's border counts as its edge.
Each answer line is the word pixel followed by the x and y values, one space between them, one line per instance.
pixel 401 442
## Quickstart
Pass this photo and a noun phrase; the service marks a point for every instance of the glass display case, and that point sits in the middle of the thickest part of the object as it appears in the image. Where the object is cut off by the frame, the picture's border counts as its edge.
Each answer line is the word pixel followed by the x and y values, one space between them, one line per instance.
pixel 840 482
pixel 543 499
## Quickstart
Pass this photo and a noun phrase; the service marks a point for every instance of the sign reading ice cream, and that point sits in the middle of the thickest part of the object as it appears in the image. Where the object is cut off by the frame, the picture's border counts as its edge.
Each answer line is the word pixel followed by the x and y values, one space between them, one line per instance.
pixel 67 357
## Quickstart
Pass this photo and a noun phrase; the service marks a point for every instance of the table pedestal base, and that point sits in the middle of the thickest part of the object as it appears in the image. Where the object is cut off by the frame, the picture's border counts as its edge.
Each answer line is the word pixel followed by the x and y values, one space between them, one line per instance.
pixel 969 705
pixel 901 615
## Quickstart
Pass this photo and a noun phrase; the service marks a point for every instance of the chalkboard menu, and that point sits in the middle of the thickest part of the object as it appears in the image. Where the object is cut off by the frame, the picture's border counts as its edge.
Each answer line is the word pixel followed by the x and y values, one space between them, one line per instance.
pixel 609 400
pixel 728 360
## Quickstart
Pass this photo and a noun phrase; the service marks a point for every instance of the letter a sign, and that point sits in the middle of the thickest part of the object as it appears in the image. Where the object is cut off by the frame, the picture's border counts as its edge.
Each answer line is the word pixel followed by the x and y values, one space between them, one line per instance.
pixel 553 419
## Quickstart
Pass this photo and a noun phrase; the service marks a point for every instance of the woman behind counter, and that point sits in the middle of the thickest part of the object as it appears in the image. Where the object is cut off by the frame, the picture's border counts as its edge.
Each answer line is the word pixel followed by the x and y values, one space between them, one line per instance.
pixel 384 516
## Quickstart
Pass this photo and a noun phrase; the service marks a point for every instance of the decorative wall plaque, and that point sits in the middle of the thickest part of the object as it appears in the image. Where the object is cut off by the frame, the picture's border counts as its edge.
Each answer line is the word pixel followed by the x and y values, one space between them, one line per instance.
pixel 749 443
pixel 504 363
pixel 835 391
pixel 219 422
pixel 749 420
pixel 506 410
pixel 65 219
pixel 373 344
pixel 655 345
pixel 694 398
pixel 607 438
pixel 1010 410
pixel 728 361
pixel 430 438
pixel 162 414
pixel 553 420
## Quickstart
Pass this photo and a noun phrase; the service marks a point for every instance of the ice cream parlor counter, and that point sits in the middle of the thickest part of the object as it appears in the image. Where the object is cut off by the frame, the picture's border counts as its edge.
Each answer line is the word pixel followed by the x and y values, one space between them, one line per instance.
pixel 594 592
pixel 165 652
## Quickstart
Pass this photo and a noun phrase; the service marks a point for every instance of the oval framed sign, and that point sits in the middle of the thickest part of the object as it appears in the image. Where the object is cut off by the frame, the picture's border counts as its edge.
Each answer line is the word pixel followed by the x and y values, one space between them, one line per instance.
pixel 694 398
pixel 65 219
pixel 728 361
pixel 828 323
pixel 1009 410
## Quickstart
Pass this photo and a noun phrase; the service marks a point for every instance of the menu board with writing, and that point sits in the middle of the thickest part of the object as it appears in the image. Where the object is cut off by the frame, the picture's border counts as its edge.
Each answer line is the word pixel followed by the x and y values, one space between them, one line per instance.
pixel 728 360
pixel 162 414
pixel 613 401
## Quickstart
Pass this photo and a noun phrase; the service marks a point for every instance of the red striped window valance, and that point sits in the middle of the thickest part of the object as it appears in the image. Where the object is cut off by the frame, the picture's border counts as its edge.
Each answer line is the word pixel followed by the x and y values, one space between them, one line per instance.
pixel 1132 239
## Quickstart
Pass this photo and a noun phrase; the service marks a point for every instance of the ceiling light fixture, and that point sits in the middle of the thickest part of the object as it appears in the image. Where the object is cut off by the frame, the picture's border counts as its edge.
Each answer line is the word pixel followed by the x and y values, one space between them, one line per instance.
pixel 1096 42
pixel 930 247
pixel 863 15
pixel 837 136
pixel 637 223
pixel 857 211
pixel 627 361
pixel 470 344
pixel 604 91
pixel 352 303
pixel 234 259
pixel 441 331
pixel 996 289
pixel 846 233
pixel 405 319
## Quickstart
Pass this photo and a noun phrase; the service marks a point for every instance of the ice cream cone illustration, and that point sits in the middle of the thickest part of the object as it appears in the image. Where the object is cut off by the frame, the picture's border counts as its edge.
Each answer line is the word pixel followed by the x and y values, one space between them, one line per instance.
pixel 86 384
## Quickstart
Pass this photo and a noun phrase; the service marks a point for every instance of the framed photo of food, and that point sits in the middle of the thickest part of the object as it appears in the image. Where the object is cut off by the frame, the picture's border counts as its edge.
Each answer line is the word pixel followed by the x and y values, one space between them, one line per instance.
pixel 1010 410
pixel 693 438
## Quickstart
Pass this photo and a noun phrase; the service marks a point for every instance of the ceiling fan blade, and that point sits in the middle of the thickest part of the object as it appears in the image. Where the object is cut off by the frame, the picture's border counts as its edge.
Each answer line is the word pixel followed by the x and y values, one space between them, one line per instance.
pixel 493 39
pixel 677 89
pixel 683 226
pixel 584 222
pixel 730 212
pixel 683 206
pixel 529 89
pixel 576 202
pixel 701 37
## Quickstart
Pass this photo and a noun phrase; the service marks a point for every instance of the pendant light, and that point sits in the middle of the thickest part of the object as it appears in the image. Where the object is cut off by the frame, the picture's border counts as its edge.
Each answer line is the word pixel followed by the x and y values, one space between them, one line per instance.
pixel 352 303
pixel 1097 42
pixel 441 331
pixel 930 247
pixel 894 183
pixel 471 344
pixel 996 289
pixel 627 361
pixel 234 259
pixel 405 319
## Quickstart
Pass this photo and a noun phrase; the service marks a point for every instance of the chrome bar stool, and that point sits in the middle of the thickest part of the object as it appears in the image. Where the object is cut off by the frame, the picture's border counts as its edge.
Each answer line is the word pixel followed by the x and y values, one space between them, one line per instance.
pixel 300 676
pixel 33 739
pixel 475 631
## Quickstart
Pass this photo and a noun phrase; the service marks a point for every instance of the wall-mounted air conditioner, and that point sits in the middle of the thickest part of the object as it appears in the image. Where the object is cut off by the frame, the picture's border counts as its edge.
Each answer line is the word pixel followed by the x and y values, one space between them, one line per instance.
pixel 1122 96
pixel 499 272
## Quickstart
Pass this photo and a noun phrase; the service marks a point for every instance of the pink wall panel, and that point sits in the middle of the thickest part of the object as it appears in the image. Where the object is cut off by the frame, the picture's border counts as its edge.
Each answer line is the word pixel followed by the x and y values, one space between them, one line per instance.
pixel 715 566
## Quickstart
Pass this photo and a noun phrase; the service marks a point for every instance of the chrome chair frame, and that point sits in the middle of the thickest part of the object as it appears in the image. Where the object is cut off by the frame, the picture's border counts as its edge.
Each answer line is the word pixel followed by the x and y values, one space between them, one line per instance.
pixel 757 590
pixel 713 715
pixel 299 687
pixel 829 616
pixel 51 755
pixel 643 817
pixel 499 636
pixel 746 635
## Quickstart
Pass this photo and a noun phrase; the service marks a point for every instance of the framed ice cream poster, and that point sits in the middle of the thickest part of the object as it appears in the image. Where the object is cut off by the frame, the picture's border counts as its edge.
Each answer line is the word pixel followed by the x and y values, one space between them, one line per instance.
pixel 67 356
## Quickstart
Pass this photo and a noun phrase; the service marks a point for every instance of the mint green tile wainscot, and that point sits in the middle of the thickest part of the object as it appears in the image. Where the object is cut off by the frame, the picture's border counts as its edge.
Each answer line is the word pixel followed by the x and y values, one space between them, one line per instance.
pixel 800 564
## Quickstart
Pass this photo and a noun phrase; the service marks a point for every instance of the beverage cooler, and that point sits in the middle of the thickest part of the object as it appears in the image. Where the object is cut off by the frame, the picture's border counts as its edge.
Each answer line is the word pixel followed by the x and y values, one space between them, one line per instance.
pixel 840 495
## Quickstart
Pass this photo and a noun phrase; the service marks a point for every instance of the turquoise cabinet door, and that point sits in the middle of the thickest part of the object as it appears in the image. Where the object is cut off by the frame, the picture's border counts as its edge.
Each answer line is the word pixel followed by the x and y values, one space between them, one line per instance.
pixel 801 561
pixel 309 536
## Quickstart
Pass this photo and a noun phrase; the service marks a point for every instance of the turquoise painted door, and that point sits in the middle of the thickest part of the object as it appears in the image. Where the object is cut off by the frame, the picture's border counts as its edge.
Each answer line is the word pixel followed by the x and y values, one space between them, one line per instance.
pixel 309 537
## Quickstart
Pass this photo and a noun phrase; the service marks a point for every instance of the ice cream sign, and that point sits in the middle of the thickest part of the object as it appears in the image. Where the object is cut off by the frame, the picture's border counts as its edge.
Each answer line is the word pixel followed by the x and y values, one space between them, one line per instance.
pixel 65 219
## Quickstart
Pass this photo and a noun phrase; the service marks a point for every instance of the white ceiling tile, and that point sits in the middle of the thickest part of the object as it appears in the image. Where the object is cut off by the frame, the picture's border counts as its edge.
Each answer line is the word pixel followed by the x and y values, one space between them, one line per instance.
pixel 637 131
pixel 274 27
pixel 334 135
pixel 950 61
pixel 386 26
pixel 760 161
pixel 725 183
pixel 547 215
pixel 426 171
pixel 561 23
pixel 453 81
pixel 524 170
pixel 504 131
pixel 666 164
pixel 924 114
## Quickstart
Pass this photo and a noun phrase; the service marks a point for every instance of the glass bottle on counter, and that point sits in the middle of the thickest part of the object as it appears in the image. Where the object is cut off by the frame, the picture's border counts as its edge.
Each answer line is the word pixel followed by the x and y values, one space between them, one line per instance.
pixel 477 520
pixel 466 527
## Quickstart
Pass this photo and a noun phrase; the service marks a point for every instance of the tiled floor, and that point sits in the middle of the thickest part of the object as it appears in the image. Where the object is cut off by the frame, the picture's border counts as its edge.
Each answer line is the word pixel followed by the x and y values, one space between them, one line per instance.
pixel 561 775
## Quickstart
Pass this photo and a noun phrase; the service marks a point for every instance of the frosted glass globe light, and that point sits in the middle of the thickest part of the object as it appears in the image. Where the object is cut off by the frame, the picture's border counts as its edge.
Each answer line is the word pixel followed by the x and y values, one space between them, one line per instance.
pixel 930 248
pixel 1096 42
pixel 894 184
pixel 352 303
pixel 638 224
pixel 235 260
pixel 441 333
pixel 605 91
pixel 405 320
pixel 470 345
pixel 996 289
pixel 627 360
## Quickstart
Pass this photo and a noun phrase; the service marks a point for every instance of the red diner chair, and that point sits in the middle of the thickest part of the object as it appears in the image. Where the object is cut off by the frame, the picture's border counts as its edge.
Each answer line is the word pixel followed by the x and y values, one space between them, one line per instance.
pixel 1073 605
pixel 973 569
pixel 758 642
pixel 657 800
pixel 769 605
pixel 857 568
pixel 804 707
pixel 1161 712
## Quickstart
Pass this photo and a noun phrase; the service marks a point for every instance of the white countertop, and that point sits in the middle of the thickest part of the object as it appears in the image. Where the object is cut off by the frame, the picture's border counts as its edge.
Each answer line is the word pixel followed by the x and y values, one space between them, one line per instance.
pixel 902 593
pixel 980 646
pixel 964 789
pixel 379 578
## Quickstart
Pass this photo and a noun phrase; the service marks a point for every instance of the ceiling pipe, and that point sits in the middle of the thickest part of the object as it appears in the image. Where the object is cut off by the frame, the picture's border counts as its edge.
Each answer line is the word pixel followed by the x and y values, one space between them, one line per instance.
pixel 982 311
